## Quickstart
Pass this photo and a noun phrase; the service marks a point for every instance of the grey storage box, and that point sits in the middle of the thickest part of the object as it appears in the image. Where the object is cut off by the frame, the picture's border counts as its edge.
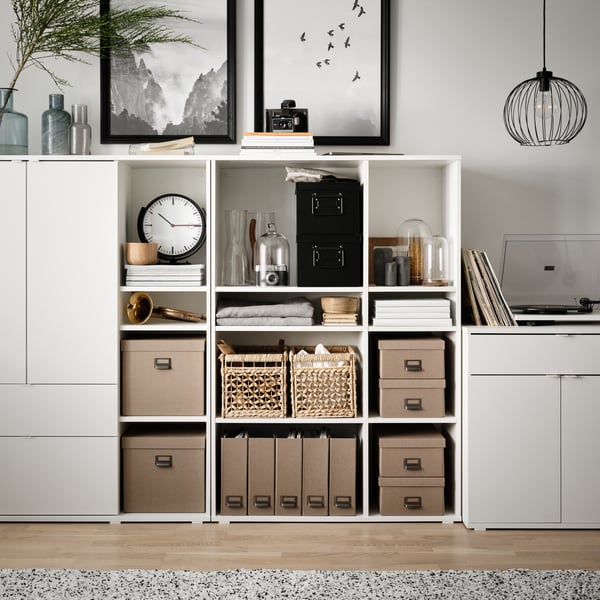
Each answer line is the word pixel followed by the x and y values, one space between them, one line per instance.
pixel 412 398
pixel 411 496
pixel 164 471
pixel 411 358
pixel 163 376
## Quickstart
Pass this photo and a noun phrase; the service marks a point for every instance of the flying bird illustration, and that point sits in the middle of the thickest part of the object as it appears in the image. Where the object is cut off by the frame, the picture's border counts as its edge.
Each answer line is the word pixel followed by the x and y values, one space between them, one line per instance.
pixel 356 76
pixel 326 61
pixel 319 64
pixel 362 11
pixel 347 43
pixel 355 5
pixel 331 32
pixel 303 36
pixel 330 46
pixel 342 26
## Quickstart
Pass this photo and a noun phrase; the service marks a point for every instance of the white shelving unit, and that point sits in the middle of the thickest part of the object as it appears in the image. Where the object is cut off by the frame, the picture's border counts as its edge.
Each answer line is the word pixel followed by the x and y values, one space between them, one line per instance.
pixel 395 188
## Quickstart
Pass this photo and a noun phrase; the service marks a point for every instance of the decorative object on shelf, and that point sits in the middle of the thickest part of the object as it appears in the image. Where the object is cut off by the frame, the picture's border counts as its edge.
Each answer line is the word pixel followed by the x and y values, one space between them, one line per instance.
pixel 176 223
pixel 411 234
pixel 297 311
pixel 156 94
pixel 181 146
pixel 165 275
pixel 346 55
pixel 13 125
pixel 141 253
pixel 272 258
pixel 55 126
pixel 235 268
pixel 257 225
pixel 340 310
pixel 140 307
pixel 435 261
pixel 80 132
pixel 70 28
pixel 545 109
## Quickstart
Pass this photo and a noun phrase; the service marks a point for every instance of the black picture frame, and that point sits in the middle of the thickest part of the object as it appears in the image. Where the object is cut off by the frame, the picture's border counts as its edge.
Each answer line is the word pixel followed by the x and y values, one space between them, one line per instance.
pixel 126 129
pixel 295 67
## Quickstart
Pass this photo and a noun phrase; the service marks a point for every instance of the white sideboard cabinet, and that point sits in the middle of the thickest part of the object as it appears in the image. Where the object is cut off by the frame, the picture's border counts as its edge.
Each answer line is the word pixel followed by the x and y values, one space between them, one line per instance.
pixel 59 362
pixel 531 407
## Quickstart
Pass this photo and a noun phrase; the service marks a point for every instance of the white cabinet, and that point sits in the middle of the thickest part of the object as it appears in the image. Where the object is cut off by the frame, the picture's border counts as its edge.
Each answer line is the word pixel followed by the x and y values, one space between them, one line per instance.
pixel 59 372
pixel 531 449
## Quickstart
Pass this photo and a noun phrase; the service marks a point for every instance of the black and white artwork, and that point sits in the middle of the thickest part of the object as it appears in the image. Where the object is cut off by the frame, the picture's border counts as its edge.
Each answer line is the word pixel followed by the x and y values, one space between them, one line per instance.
pixel 331 57
pixel 174 90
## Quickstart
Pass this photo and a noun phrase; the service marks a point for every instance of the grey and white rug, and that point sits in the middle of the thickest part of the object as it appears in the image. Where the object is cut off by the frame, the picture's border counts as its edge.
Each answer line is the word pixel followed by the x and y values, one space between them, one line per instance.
pixel 49 584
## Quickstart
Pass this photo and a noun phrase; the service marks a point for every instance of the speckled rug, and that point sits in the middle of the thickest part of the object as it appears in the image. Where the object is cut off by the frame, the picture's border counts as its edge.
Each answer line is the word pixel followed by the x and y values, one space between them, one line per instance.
pixel 50 584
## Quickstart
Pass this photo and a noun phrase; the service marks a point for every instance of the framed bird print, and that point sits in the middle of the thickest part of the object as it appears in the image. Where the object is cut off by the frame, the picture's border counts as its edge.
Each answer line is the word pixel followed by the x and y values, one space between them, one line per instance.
pixel 330 57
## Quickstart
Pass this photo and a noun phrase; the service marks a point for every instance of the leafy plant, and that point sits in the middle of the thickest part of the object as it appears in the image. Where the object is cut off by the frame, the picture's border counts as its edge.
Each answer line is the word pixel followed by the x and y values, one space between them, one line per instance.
pixel 70 29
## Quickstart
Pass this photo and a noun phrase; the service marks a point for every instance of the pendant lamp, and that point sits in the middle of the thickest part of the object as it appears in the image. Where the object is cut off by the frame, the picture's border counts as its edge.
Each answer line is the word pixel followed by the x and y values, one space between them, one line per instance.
pixel 546 109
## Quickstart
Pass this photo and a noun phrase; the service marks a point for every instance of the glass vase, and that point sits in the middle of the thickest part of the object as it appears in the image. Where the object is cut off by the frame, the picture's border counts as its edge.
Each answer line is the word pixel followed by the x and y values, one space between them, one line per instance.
pixel 435 261
pixel 80 133
pixel 55 126
pixel 13 125
pixel 235 269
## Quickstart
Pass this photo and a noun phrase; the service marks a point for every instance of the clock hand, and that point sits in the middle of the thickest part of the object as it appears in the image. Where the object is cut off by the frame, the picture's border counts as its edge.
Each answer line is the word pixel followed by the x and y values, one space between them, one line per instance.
pixel 167 220
pixel 185 224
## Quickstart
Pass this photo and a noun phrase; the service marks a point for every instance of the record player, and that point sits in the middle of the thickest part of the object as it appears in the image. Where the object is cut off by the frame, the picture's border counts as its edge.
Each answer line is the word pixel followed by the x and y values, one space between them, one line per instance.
pixel 551 277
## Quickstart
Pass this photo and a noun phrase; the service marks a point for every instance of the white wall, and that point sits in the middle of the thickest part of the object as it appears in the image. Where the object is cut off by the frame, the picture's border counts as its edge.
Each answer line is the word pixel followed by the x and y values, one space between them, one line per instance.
pixel 453 62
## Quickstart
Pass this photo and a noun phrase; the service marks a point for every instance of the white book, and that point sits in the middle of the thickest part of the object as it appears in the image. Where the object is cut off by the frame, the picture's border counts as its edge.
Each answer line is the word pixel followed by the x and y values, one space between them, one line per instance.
pixel 412 309
pixel 379 302
pixel 408 315
pixel 412 322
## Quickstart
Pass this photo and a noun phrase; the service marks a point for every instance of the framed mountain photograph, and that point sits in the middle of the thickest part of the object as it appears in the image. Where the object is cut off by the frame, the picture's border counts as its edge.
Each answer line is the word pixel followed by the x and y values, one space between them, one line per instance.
pixel 173 90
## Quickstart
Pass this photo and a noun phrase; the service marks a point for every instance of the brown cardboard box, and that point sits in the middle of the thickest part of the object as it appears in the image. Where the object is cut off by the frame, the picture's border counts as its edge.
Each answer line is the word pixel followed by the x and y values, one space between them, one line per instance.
pixel 342 476
pixel 412 398
pixel 413 453
pixel 315 476
pixel 414 496
pixel 164 471
pixel 234 475
pixel 261 476
pixel 411 358
pixel 288 476
pixel 163 376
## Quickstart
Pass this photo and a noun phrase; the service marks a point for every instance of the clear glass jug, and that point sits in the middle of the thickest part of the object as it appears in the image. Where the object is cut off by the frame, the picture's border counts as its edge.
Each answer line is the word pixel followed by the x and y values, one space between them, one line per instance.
pixel 235 268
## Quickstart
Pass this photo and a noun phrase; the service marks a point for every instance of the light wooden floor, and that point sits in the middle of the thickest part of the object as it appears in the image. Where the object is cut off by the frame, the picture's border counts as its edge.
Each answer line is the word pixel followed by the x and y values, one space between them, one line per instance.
pixel 292 546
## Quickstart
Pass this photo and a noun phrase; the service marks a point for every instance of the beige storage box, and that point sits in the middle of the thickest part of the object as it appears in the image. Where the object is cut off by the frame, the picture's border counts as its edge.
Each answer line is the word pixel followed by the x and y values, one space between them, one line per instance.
pixel 163 376
pixel 416 453
pixel 411 496
pixel 411 358
pixel 164 471
pixel 412 398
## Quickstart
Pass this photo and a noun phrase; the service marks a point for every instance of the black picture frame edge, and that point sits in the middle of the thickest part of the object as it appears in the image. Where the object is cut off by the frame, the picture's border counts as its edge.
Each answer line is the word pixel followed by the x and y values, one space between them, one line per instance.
pixel 383 139
pixel 106 137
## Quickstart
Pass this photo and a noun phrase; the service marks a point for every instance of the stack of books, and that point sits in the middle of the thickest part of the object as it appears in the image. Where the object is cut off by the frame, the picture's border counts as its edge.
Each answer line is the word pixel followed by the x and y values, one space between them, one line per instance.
pixel 340 318
pixel 163 275
pixel 270 142
pixel 484 302
pixel 411 312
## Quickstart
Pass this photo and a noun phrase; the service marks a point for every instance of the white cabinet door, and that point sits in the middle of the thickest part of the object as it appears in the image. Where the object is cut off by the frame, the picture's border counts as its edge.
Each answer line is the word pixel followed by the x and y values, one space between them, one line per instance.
pixel 581 450
pixel 13 272
pixel 513 462
pixel 59 476
pixel 72 274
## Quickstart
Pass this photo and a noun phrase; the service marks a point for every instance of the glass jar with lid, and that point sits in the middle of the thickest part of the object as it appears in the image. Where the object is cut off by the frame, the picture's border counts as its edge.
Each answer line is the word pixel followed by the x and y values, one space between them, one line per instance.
pixel 411 234
pixel 271 258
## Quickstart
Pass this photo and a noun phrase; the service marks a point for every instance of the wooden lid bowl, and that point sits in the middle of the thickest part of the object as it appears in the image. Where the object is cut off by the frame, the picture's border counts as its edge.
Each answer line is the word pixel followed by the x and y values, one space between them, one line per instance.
pixel 141 253
pixel 339 304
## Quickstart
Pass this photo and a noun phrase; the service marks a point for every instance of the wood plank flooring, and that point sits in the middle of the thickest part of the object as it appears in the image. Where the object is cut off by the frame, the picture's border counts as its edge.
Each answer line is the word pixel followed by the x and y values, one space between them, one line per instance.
pixel 213 546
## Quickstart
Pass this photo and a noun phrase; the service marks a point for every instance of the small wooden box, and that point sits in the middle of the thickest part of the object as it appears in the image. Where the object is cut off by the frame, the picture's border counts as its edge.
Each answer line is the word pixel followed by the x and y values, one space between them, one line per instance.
pixel 412 398
pixel 417 453
pixel 407 496
pixel 411 358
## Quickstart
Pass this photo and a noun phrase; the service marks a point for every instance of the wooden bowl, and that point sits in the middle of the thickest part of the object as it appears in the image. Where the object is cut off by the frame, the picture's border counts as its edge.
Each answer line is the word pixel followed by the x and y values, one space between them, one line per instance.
pixel 339 304
pixel 141 253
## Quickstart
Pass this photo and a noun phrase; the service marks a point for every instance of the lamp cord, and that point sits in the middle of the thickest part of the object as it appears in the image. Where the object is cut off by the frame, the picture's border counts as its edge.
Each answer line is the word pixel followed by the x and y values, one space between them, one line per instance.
pixel 544 35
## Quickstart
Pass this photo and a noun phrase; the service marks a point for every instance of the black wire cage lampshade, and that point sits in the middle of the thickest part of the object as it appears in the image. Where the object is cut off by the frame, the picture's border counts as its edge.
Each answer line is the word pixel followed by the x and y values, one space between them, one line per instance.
pixel 546 109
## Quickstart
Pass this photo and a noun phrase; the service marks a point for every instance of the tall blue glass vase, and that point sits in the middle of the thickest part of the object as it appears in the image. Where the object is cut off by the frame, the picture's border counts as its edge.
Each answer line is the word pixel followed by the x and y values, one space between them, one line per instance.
pixel 13 125
pixel 55 126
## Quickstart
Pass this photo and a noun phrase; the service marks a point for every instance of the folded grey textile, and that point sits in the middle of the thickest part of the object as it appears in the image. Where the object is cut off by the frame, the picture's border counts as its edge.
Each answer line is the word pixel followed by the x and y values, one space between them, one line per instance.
pixel 294 307
pixel 283 321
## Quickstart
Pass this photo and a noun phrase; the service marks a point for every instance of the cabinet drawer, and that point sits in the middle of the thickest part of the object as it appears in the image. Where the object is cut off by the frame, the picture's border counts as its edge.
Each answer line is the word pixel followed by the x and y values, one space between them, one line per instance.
pixel 533 354
pixel 59 476
pixel 59 410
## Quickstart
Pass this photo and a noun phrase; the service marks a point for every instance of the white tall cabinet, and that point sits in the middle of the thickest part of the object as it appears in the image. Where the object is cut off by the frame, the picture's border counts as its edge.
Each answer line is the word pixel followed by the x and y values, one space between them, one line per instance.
pixel 531 405
pixel 59 367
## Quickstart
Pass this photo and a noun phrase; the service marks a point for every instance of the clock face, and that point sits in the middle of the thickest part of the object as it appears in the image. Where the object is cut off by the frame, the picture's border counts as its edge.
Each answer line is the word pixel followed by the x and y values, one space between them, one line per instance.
pixel 176 223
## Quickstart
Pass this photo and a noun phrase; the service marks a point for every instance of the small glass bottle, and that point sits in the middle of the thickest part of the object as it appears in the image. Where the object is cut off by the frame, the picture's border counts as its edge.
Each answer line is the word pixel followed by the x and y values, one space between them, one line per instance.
pixel 411 234
pixel 13 125
pixel 80 133
pixel 271 258
pixel 55 126
pixel 435 261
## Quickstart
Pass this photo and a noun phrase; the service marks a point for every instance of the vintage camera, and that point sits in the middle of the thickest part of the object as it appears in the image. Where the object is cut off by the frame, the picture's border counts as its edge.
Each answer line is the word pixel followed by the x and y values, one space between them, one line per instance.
pixel 271 275
pixel 288 118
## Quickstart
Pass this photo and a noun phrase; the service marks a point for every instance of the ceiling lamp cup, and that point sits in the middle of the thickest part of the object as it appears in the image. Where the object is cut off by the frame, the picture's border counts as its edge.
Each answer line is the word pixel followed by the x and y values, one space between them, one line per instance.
pixel 545 110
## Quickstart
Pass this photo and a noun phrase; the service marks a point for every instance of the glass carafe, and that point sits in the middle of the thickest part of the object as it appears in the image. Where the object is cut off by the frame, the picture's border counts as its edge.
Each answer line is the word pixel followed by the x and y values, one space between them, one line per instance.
pixel 235 269
pixel 271 258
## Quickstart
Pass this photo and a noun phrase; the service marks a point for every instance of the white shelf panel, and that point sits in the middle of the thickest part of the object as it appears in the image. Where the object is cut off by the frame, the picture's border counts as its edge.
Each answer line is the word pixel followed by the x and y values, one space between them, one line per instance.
pixel 408 329
pixel 292 421
pixel 201 289
pixel 411 289
pixel 177 327
pixel 285 328
pixel 165 419
pixel 282 289
pixel 397 421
